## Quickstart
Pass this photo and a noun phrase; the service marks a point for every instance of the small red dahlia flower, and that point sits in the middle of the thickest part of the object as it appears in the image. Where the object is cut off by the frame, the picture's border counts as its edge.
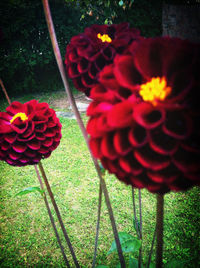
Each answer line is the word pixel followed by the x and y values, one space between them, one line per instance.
pixel 89 52
pixel 144 118
pixel 28 133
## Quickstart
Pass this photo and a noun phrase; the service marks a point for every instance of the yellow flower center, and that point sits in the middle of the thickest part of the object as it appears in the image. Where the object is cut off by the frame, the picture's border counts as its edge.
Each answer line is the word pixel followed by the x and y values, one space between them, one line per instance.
pixel 22 116
pixel 154 90
pixel 104 38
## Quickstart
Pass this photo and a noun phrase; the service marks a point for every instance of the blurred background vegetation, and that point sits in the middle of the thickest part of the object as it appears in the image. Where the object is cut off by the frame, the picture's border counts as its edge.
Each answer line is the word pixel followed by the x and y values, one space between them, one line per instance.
pixel 26 56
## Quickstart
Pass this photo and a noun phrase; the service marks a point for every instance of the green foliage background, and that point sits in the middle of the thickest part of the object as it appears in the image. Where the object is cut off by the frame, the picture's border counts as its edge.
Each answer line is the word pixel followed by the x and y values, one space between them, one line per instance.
pixel 26 56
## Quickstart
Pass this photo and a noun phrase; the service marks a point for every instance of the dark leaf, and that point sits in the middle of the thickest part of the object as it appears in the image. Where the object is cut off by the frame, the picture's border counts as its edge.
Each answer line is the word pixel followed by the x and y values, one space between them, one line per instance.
pixel 102 266
pixel 175 264
pixel 128 243
pixel 133 263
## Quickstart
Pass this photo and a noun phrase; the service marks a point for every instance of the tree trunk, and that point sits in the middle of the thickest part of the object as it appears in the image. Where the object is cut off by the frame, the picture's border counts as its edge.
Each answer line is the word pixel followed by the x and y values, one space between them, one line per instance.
pixel 181 21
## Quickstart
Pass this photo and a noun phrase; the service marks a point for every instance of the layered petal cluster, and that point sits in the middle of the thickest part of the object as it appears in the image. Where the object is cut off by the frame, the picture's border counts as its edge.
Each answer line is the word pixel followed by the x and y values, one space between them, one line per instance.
pixel 28 133
pixel 88 52
pixel 144 121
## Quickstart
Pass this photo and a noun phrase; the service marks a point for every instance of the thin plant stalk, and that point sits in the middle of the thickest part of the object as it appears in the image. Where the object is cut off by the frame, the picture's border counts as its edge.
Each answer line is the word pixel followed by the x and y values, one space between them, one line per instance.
pixel 80 123
pixel 45 199
pixel 5 92
pixel 134 213
pixel 98 226
pixel 58 214
pixel 140 211
pixel 159 228
pixel 51 218
pixel 151 250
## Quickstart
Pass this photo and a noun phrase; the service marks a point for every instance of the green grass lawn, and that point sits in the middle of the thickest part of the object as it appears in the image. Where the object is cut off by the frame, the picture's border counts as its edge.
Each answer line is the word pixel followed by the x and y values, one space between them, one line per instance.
pixel 27 238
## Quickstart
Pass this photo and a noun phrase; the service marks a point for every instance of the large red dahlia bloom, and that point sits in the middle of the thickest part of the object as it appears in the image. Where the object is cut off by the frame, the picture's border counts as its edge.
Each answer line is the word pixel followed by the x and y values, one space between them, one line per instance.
pixel 28 133
pixel 89 52
pixel 144 118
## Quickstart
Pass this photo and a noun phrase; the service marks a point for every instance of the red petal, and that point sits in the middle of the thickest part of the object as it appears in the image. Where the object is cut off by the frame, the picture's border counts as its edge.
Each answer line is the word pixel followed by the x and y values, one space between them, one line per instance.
pixel 162 143
pixel 38 118
pixel 37 159
pixel 111 165
pixel 136 182
pixel 11 162
pixel 100 93
pixel 47 155
pixel 57 137
pixel 137 135
pixel 126 73
pixel 11 137
pixel 92 71
pixel 121 115
pixel 107 147
pixel 51 123
pixel 121 142
pixel 96 108
pixel 19 147
pixel 30 153
pixel 181 184
pixel 177 125
pixel 29 130
pixel 40 127
pixel 108 53
pixel 14 156
pixel 130 165
pixel 148 116
pixel 95 145
pixel 73 56
pixel 19 126
pixel 24 160
pixel 34 144
pixel 186 161
pixel 82 65
pixel 161 177
pixel 100 62
pixel 25 139
pixel 50 132
pixel 5 126
pixel 102 124
pixel 73 71
pixel 30 106
pixel 87 81
pixel 43 150
pixel 40 136
pixel 15 107
pixel 48 142
pixel 148 57
pixel 4 146
pixel 107 78
pixel 151 160
pixel 92 128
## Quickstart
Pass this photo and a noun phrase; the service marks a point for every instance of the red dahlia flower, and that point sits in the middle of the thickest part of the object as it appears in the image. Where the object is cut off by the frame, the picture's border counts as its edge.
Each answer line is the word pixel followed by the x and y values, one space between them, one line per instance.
pixel 28 133
pixel 89 52
pixel 144 118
